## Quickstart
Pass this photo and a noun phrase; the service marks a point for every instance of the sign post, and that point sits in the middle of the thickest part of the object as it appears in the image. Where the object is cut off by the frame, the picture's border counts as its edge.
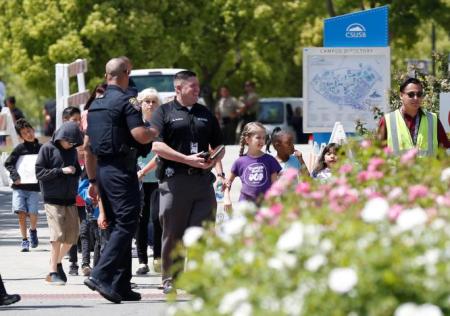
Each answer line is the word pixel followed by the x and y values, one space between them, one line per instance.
pixel 63 73
pixel 369 28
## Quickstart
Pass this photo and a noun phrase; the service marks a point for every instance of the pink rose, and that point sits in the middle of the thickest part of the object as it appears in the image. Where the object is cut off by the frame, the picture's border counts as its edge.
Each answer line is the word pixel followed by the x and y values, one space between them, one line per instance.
pixel 417 191
pixel 346 168
pixel 366 143
pixel 303 187
pixel 395 211
pixel 388 150
pixel 290 174
pixel 374 163
pixel 409 156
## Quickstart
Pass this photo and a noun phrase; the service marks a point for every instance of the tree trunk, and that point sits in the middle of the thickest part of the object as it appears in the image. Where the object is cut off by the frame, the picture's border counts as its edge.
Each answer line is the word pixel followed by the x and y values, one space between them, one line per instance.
pixel 330 8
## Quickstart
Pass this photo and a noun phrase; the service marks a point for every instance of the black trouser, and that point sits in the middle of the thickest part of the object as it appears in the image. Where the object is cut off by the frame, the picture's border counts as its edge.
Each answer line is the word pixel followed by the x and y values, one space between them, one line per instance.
pixel 144 217
pixel 185 201
pixel 85 229
pixel 157 229
pixel 119 191
pixel 2 287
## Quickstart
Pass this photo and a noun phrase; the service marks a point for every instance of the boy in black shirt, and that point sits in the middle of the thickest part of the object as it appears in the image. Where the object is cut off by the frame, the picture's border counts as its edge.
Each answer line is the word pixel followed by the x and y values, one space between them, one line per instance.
pixel 25 198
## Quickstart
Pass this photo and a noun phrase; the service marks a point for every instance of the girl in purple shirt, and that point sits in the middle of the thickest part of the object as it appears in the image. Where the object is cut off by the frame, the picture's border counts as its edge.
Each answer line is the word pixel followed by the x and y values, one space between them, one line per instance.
pixel 256 169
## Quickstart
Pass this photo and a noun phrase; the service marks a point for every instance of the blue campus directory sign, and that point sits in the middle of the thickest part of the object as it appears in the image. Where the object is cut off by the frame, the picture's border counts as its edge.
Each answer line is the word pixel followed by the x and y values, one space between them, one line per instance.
pixel 368 28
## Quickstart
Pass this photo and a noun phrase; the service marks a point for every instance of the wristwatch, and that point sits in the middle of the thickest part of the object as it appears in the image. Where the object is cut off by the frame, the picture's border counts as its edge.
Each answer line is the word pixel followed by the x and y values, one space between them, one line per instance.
pixel 222 175
pixel 93 181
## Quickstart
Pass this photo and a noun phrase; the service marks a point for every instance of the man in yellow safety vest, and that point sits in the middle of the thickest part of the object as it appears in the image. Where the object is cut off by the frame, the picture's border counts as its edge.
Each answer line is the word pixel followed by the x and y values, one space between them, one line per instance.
pixel 410 126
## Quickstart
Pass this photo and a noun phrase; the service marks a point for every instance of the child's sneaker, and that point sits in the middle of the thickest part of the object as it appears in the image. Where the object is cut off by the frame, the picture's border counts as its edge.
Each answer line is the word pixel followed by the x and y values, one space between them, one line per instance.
pixel 54 279
pixel 86 269
pixel 61 273
pixel 143 269
pixel 73 269
pixel 25 246
pixel 34 238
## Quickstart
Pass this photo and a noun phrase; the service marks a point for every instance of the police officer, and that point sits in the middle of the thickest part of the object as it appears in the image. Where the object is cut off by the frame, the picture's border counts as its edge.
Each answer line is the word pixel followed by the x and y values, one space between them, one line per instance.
pixel 115 137
pixel 187 129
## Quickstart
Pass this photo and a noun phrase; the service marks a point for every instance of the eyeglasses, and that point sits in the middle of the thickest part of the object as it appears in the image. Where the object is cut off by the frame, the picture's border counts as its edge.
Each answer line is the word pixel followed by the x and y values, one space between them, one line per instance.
pixel 411 95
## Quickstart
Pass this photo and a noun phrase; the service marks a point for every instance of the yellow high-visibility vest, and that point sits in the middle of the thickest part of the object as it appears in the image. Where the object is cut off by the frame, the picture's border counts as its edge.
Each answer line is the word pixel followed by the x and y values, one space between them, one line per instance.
pixel 399 138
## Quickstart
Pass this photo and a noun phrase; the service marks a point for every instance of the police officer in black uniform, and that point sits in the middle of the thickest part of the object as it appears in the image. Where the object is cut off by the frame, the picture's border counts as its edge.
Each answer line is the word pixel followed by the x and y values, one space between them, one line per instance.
pixel 186 130
pixel 116 135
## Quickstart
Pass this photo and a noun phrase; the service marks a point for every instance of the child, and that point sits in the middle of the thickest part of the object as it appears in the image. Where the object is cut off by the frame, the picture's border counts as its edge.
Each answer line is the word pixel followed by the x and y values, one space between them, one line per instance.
pixel 149 100
pixel 287 155
pixel 71 114
pixel 25 197
pixel 57 170
pixel 256 169
pixel 327 158
pixel 92 212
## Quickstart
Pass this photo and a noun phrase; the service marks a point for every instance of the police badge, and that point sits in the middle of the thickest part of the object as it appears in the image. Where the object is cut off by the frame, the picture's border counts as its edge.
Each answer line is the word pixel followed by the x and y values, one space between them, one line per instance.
pixel 169 172
pixel 135 104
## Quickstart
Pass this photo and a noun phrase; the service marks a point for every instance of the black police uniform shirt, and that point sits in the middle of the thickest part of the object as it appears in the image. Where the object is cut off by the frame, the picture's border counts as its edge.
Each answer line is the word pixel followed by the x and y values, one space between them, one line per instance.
pixel 117 108
pixel 186 131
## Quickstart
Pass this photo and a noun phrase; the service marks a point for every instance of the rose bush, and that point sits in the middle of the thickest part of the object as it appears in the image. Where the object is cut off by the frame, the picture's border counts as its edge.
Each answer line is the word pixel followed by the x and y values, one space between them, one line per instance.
pixel 375 240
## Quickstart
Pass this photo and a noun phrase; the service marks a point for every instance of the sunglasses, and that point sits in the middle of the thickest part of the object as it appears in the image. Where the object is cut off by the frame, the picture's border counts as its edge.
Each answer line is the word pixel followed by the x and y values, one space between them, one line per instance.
pixel 414 94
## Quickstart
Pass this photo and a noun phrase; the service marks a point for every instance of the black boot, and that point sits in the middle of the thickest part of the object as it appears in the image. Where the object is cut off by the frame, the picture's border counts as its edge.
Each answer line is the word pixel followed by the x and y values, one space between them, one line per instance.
pixel 5 298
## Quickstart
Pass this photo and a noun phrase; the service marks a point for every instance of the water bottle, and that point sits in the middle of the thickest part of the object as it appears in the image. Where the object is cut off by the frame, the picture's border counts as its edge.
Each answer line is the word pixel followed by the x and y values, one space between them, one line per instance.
pixel 218 190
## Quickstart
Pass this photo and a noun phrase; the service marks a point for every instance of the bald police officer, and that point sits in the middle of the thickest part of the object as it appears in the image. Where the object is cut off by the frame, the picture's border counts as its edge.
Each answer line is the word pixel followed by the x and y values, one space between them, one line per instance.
pixel 115 137
pixel 186 191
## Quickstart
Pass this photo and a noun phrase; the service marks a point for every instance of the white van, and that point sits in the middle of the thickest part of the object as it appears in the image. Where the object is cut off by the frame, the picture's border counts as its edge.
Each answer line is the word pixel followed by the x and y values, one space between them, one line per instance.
pixel 159 78
pixel 278 112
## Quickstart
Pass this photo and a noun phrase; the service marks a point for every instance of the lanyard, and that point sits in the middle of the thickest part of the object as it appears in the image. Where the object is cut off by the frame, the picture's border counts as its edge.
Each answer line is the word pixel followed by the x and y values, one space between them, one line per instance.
pixel 416 129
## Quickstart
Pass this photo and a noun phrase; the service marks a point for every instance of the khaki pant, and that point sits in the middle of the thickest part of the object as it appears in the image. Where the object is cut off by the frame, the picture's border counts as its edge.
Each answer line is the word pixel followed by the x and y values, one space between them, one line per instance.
pixel 63 223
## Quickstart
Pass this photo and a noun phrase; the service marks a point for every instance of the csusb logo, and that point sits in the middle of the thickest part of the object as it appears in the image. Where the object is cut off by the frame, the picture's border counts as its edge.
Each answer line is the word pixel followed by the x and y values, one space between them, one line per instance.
pixel 355 30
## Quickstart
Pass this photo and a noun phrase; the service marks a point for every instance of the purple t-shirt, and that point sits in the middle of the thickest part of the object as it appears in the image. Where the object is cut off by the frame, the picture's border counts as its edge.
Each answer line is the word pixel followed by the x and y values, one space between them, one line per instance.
pixel 255 174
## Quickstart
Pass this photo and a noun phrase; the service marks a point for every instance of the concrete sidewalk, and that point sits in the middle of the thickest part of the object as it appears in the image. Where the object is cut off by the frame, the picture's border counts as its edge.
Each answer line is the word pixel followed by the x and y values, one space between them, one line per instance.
pixel 24 273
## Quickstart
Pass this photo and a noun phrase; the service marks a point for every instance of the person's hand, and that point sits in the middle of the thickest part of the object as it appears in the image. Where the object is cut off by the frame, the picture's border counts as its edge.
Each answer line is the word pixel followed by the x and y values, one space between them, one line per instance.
pixel 140 174
pixel 17 182
pixel 298 154
pixel 102 221
pixel 69 170
pixel 227 206
pixel 93 193
pixel 197 161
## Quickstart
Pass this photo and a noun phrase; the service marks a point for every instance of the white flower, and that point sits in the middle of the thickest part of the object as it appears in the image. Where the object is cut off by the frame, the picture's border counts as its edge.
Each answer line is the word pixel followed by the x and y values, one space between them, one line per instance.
pixel 315 262
pixel 326 245
pixel 197 304
pixel 445 175
pixel 244 309
pixel 411 218
pixel 342 280
pixel 231 300
pixel 243 207
pixel 248 256
pixel 192 235
pixel 411 309
pixel 406 309
pixel 292 239
pixel 213 259
pixel 191 265
pixel 432 256
pixel 438 224
pixel 395 193
pixel 375 210
pixel 275 263
pixel 234 226
pixel 429 310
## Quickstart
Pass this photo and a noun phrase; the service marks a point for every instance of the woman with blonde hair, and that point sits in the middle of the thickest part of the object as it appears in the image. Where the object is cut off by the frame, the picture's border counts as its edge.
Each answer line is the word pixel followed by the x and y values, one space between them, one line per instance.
pixel 149 100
